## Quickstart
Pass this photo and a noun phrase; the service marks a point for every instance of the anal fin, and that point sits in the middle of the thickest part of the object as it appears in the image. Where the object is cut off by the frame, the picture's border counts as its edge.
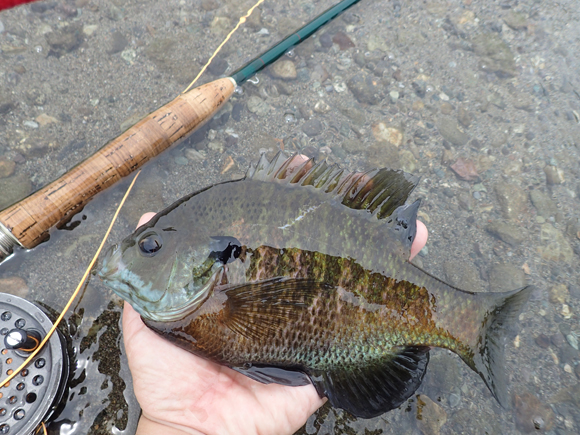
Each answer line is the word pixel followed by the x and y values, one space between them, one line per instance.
pixel 274 375
pixel 369 391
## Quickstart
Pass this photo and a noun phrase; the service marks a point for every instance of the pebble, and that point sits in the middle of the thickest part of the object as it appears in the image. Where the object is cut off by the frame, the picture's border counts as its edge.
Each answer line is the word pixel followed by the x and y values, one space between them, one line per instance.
pixel 464 117
pixel 569 394
pixel 454 400
pixel 216 146
pixel 554 245
pixel 30 124
pixel 418 105
pixel 353 146
pixel 566 312
pixel 118 43
pixel 6 167
pixel 465 169
pixel 382 133
pixel 13 189
pixel 507 232
pixel 377 42
pixel 542 341
pixel 35 97
pixel 420 88
pixel 355 115
pixel 495 54
pixel 218 66
pixel 44 119
pixel 90 29
pixel 180 160
pixel 504 277
pixel 450 131
pixel 258 106
pixel 194 155
pixel 343 41
pixel 129 55
pixel 365 88
pixel 542 203
pixel 325 40
pixel 407 161
pixel 65 40
pixel 557 340
pixel 446 108
pixel 221 25
pixel 312 128
pixel 321 107
pixel 559 294
pixel 554 175
pixel 512 199
pixel 531 415
pixel 474 421
pixel 6 103
pixel 430 416
pixel 284 69
pixel 572 340
pixel 516 20
pixel 573 227
pixel 14 285
pixel 237 111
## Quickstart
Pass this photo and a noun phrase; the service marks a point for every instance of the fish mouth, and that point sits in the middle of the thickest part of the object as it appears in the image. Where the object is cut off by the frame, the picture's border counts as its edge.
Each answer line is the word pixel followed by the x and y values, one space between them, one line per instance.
pixel 111 271
pixel 112 262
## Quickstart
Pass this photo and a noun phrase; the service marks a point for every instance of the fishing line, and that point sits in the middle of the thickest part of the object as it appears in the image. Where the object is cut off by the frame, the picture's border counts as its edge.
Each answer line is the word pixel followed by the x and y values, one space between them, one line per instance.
pixel 75 293
pixel 240 22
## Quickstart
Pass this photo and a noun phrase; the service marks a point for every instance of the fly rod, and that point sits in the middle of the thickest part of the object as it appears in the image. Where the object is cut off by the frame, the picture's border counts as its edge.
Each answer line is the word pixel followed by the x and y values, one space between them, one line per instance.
pixel 27 223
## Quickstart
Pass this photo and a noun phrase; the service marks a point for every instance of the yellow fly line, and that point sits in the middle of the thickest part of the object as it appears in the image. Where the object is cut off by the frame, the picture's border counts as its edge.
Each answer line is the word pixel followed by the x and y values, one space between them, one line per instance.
pixel 240 22
pixel 74 295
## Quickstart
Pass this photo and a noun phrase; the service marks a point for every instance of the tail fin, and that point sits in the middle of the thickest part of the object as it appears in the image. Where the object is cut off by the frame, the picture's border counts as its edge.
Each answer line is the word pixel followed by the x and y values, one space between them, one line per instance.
pixel 488 355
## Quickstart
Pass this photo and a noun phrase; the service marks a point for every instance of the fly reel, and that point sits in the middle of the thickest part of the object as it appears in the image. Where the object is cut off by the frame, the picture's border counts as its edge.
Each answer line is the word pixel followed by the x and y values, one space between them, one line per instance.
pixel 32 396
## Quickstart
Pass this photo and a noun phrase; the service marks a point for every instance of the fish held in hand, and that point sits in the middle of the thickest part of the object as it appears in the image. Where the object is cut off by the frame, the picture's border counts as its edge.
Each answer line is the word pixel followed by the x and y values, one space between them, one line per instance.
pixel 299 273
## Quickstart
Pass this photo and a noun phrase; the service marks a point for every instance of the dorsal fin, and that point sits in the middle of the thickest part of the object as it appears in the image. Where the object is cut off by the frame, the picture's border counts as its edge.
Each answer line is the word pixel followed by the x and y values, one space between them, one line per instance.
pixel 380 191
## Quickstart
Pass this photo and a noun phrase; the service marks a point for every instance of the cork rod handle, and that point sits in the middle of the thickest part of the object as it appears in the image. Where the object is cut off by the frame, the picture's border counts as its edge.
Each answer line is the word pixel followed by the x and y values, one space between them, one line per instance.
pixel 30 219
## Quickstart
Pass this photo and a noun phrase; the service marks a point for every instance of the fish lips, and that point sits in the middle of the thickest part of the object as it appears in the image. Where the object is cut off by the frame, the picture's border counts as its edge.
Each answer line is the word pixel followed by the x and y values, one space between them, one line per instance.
pixel 111 270
pixel 111 263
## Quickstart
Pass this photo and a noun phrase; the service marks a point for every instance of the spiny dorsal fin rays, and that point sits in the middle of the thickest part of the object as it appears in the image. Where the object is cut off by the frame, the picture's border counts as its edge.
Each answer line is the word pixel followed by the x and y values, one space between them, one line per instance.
pixel 379 191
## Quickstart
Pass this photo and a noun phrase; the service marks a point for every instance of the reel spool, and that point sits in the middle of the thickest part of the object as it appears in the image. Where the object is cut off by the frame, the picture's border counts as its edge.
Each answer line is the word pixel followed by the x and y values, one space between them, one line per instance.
pixel 33 395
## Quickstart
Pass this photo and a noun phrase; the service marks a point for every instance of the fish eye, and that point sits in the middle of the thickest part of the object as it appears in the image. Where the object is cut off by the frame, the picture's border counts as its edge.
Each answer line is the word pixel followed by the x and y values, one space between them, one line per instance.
pixel 150 244
pixel 225 249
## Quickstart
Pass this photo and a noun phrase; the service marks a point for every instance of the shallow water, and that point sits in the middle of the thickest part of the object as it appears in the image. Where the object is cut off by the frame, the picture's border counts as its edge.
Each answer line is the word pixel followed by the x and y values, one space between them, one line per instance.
pixel 493 84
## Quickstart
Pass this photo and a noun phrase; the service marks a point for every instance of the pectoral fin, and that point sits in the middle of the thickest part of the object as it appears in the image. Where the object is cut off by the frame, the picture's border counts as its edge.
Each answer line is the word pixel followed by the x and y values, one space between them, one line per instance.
pixel 371 390
pixel 257 310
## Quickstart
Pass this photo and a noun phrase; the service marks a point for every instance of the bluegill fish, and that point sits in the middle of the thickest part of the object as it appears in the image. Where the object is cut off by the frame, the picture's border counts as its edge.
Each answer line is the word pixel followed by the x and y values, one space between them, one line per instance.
pixel 300 274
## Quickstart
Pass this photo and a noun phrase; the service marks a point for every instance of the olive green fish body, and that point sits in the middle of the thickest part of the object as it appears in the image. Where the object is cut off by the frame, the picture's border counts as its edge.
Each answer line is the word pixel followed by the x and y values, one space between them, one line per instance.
pixel 301 274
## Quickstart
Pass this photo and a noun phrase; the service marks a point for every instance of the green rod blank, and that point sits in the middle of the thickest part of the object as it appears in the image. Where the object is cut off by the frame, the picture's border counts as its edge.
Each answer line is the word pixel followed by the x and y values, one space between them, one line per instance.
pixel 273 53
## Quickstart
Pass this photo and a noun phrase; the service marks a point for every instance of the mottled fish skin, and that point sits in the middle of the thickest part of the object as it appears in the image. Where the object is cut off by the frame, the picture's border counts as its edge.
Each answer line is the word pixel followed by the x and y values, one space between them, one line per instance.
pixel 358 315
pixel 311 277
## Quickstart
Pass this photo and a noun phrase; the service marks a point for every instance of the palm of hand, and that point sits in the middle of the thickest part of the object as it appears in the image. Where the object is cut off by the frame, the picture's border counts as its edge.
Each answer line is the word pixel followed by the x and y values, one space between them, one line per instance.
pixel 207 397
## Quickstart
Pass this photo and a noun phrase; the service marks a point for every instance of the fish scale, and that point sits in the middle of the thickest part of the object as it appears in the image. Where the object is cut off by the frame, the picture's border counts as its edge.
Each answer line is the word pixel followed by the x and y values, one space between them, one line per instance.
pixel 300 274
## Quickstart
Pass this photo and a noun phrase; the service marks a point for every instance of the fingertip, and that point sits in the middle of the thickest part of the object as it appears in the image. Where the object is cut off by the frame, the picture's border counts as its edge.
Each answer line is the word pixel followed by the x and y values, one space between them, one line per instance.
pixel 420 239
pixel 145 218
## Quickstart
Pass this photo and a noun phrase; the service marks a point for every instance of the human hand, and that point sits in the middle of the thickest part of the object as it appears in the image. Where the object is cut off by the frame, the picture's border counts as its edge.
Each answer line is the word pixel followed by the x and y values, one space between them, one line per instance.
pixel 181 393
